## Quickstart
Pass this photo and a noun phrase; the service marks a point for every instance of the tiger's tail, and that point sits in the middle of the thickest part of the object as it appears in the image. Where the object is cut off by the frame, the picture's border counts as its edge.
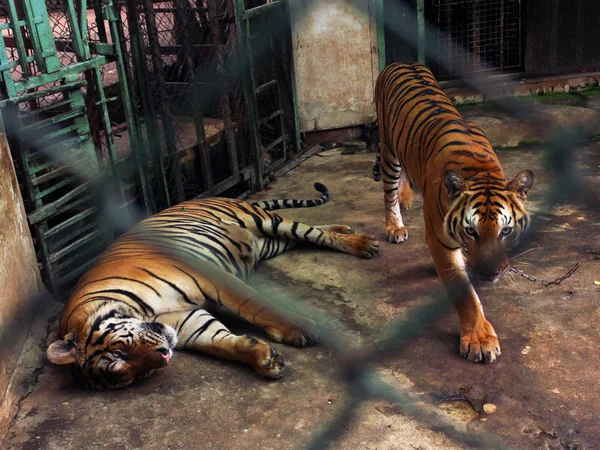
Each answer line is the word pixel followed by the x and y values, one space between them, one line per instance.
pixel 377 165
pixel 271 205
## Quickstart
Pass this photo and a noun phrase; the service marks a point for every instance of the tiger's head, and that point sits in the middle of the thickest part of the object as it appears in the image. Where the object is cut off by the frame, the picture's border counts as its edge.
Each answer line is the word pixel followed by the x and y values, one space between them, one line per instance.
pixel 113 349
pixel 486 217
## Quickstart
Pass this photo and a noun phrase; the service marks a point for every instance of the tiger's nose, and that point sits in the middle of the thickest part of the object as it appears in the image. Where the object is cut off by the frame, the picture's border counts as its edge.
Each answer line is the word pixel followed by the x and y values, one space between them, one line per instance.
pixel 165 353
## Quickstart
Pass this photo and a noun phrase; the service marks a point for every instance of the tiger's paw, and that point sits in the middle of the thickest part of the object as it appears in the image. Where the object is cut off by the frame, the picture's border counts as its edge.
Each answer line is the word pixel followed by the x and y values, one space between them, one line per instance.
pixel 480 344
pixel 395 234
pixel 363 245
pixel 266 361
pixel 294 336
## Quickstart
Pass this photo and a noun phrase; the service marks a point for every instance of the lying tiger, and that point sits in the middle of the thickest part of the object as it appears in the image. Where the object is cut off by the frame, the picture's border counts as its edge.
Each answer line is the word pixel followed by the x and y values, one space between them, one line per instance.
pixel 138 303
pixel 472 213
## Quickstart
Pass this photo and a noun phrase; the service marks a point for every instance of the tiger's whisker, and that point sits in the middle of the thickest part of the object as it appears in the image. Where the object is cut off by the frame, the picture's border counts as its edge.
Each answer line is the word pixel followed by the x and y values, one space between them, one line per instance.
pixel 522 253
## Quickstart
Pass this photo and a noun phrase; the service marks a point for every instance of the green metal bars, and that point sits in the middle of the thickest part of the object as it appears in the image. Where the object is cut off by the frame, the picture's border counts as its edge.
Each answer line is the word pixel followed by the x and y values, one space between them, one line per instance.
pixel 48 102
pixel 203 105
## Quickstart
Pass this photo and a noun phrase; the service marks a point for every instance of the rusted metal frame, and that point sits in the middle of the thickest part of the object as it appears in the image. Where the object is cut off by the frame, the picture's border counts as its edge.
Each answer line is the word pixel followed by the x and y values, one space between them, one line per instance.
pixel 42 39
pixel 6 81
pixel 93 113
pixel 95 99
pixel 215 12
pixel 279 84
pixel 201 147
pixel 88 164
pixel 263 87
pixel 56 186
pixel 36 202
pixel 145 95
pixel 52 90
pixel 17 25
pixel 75 112
pixel 298 159
pixel 75 273
pixel 230 49
pixel 43 212
pixel 54 134
pixel 99 13
pixel 80 242
pixel 164 109
pixel 45 252
pixel 76 68
pixel 242 30
pixel 78 102
pixel 67 260
pixel 29 193
pixel 76 32
pixel 69 222
pixel 243 175
pixel 263 9
pixel 83 26
pixel 270 117
pixel 55 149
pixel 274 143
pixel 105 120
pixel 51 175
pixel 133 122
pixel 292 78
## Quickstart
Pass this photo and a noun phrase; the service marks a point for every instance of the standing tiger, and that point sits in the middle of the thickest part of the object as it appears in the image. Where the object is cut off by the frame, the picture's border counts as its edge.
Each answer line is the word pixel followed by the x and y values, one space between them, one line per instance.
pixel 138 302
pixel 472 213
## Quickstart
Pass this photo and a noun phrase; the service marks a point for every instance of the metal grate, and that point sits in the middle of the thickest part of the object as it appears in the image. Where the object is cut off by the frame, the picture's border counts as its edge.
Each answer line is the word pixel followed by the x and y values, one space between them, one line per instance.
pixel 478 36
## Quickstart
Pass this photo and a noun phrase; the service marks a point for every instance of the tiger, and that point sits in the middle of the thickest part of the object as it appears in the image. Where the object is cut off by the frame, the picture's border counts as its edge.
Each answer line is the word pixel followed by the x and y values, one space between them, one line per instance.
pixel 139 301
pixel 472 213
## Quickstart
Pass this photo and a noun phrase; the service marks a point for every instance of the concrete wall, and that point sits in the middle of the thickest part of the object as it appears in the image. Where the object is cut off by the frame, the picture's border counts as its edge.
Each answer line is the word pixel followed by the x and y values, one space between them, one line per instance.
pixel 336 62
pixel 19 279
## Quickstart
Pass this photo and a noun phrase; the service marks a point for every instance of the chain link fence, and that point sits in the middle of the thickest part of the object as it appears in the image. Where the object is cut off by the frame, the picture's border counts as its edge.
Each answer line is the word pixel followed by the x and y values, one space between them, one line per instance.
pixel 169 45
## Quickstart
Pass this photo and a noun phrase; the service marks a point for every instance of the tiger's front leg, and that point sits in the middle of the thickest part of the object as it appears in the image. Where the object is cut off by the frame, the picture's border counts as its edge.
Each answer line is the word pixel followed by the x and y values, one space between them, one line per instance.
pixel 478 340
pixel 198 330
pixel 395 231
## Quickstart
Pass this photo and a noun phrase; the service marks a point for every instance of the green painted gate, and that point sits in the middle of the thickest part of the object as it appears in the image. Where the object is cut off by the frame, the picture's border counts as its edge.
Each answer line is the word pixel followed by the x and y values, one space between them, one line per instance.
pixel 172 100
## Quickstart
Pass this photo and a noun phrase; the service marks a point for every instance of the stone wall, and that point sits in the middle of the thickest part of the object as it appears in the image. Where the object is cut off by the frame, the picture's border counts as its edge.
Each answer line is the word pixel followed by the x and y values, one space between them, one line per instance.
pixel 19 280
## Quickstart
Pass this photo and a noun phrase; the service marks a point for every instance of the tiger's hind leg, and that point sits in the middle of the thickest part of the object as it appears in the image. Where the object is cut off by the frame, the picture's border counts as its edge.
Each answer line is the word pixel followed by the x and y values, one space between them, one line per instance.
pixel 335 228
pixel 395 231
pixel 198 330
pixel 278 234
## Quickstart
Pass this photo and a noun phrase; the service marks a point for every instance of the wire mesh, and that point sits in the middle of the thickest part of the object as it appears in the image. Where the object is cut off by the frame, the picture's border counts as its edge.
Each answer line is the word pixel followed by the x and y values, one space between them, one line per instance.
pixel 356 367
pixel 490 31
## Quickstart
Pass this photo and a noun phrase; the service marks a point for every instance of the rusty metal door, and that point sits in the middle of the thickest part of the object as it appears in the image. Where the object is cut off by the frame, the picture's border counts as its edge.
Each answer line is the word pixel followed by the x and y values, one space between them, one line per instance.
pixel 52 89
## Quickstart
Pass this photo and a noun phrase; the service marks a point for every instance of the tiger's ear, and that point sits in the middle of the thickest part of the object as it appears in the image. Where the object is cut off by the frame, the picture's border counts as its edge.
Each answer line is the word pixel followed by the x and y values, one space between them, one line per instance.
pixel 454 183
pixel 521 184
pixel 62 351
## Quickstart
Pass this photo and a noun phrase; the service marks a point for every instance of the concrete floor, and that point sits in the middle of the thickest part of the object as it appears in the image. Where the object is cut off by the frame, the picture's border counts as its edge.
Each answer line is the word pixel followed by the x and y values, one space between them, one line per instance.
pixel 545 385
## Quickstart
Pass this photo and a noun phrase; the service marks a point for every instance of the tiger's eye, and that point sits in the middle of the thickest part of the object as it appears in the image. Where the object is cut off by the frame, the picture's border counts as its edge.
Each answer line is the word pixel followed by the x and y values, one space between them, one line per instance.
pixel 117 353
pixel 470 231
pixel 506 231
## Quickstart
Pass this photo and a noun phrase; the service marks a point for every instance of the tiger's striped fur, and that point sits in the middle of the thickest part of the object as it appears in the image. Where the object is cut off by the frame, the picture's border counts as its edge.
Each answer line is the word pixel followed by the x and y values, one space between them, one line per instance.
pixel 137 303
pixel 472 213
